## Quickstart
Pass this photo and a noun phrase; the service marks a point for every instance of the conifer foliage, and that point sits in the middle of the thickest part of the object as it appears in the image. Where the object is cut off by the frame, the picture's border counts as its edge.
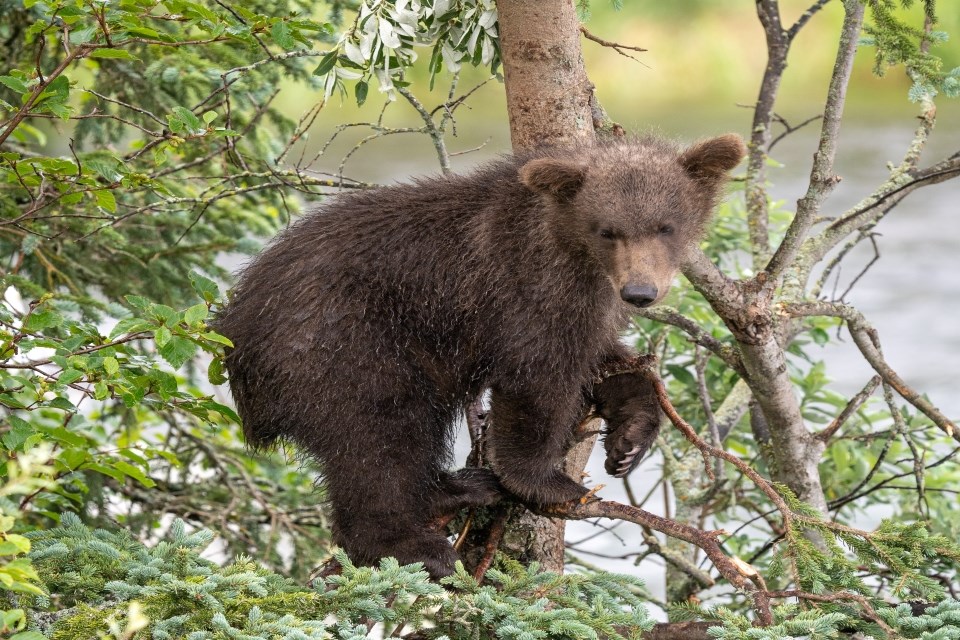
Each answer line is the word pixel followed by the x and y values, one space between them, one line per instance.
pixel 103 579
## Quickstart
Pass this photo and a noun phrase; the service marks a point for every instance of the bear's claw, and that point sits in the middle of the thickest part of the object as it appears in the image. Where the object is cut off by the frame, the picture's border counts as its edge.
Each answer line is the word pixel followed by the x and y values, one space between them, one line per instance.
pixel 628 404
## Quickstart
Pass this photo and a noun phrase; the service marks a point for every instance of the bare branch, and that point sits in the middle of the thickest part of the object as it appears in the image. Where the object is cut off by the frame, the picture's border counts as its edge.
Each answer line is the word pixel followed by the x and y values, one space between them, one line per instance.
pixel 671 316
pixel 705 540
pixel 852 407
pixel 862 217
pixel 733 408
pixel 877 205
pixel 876 256
pixel 77 52
pixel 619 48
pixel 723 293
pixel 788 128
pixel 430 128
pixel 805 18
pixel 822 178
pixel 756 193
pixel 918 463
pixel 853 495
pixel 867 340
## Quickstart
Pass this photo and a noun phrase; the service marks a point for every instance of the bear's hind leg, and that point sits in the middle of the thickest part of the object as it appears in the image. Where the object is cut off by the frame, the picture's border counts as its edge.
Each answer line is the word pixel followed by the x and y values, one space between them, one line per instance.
pixel 383 478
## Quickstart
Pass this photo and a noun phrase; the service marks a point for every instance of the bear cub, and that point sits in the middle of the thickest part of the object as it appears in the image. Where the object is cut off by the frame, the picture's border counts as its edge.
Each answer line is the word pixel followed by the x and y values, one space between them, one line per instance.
pixel 364 330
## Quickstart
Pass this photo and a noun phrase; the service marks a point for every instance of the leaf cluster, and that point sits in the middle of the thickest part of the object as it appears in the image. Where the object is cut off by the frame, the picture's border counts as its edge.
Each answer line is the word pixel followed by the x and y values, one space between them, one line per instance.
pixel 381 43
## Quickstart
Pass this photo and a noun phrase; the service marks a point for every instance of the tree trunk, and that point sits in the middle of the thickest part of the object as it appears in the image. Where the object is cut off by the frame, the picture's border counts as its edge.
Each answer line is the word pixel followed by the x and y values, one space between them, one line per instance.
pixel 549 102
pixel 548 93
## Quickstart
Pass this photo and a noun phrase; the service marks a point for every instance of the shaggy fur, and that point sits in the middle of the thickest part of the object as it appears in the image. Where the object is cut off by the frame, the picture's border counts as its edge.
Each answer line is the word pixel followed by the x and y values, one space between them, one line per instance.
pixel 364 329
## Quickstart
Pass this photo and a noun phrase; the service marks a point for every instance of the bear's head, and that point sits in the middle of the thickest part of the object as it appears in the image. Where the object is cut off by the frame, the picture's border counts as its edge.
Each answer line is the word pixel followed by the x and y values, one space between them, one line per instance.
pixel 634 209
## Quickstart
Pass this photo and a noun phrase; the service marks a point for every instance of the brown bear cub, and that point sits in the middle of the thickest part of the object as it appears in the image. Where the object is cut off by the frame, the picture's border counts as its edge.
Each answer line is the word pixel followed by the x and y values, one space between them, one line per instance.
pixel 364 330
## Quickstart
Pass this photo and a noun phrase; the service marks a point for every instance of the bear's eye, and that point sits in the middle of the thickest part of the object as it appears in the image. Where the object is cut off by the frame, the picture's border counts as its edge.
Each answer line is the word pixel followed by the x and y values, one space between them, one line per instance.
pixel 665 230
pixel 607 234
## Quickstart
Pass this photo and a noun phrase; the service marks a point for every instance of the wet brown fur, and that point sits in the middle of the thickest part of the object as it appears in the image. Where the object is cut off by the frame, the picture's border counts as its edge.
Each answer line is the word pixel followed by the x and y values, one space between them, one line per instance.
pixel 364 330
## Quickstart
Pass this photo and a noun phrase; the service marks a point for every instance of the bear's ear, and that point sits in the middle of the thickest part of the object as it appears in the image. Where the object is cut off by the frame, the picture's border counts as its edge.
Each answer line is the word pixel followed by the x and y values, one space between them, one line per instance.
pixel 710 160
pixel 561 179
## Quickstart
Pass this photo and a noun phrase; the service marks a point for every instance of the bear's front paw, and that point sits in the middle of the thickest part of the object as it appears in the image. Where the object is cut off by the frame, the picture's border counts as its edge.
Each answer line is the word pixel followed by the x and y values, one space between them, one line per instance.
pixel 628 443
pixel 554 487
pixel 628 405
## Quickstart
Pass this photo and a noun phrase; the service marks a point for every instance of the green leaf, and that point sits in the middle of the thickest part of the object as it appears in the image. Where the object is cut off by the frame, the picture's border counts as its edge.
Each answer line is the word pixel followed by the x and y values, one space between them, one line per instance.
pixel 222 409
pixel 131 325
pixel 162 336
pixel 81 36
pixel 326 64
pixel 73 458
pixel 204 286
pixel 63 404
pixel 192 122
pixel 134 472
pixel 8 548
pixel 280 32
pixel 110 169
pixel 196 314
pixel 42 319
pixel 682 375
pixel 62 436
pixel 145 32
pixel 106 200
pixel 101 390
pixel 107 471
pixel 138 301
pixel 360 91
pixel 16 84
pixel 111 366
pixel 69 376
pixel 216 337
pixel 119 54
pixel 19 431
pixel 22 544
pixel 215 372
pixel 177 351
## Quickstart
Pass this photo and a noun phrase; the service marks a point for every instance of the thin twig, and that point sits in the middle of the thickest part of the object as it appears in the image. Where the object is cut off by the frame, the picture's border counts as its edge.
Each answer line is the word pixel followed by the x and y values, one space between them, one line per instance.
pixel 852 407
pixel 619 48
pixel 822 178
pixel 495 535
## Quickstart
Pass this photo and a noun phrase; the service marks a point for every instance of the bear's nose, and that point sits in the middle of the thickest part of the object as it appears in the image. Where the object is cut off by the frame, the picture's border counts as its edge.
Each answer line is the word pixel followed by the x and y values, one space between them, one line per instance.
pixel 639 295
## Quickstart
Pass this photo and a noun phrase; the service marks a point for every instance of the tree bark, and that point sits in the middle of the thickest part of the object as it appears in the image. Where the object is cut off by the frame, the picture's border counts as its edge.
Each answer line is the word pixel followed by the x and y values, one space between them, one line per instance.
pixel 548 93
